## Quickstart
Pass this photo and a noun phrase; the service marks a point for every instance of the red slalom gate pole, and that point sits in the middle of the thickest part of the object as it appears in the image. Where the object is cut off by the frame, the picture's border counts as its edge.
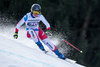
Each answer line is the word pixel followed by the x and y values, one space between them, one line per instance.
pixel 73 46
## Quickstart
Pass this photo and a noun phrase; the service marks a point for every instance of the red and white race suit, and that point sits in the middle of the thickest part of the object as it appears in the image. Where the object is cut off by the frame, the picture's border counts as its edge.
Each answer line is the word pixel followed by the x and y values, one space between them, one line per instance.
pixel 34 32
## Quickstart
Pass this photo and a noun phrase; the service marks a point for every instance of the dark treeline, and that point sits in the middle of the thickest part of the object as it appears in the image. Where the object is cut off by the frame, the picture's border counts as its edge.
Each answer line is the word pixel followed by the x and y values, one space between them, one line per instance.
pixel 78 19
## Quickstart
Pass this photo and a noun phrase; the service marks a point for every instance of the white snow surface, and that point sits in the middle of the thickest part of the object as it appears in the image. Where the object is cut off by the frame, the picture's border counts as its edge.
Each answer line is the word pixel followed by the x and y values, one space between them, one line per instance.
pixel 23 52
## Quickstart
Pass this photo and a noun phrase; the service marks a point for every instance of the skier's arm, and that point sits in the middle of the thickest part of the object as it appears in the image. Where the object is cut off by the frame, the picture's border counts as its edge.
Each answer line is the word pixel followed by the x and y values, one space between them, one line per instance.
pixel 48 32
pixel 45 22
pixel 20 23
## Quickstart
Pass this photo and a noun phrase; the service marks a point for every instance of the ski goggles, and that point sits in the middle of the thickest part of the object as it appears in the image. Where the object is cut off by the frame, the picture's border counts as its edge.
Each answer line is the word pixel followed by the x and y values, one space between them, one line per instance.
pixel 36 12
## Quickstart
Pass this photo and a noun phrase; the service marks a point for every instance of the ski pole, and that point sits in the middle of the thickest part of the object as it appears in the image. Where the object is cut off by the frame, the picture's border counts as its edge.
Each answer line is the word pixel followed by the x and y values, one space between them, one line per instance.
pixel 72 45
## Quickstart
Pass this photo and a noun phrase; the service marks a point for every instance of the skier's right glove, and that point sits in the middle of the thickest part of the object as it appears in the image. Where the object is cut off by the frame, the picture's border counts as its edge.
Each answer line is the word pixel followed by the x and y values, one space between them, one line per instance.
pixel 15 35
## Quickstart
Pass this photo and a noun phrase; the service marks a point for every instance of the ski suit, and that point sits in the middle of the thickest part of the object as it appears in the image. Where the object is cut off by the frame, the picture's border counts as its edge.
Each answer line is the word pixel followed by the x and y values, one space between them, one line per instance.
pixel 35 33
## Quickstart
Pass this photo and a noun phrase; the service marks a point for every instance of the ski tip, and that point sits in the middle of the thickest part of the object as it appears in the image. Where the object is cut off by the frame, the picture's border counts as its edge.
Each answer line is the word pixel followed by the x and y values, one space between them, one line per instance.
pixel 70 60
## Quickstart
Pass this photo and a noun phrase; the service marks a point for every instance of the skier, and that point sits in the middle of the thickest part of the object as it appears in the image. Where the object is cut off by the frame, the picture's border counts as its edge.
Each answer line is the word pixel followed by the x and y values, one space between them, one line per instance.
pixel 34 32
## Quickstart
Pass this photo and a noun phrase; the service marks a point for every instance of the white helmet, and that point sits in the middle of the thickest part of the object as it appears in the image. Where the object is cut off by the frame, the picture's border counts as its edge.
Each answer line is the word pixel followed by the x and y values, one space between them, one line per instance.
pixel 35 7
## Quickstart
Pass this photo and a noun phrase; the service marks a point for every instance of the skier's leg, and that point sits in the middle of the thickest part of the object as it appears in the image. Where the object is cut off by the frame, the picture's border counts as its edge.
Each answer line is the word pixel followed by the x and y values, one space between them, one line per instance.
pixel 34 36
pixel 53 48
pixel 47 42
pixel 40 45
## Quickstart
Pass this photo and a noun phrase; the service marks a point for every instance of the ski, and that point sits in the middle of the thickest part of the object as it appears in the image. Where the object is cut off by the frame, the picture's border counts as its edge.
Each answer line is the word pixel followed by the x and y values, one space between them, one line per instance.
pixel 67 59
pixel 70 60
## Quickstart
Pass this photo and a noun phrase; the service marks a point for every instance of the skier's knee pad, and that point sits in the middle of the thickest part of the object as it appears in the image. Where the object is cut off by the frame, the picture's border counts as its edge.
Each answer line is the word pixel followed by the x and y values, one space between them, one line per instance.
pixel 49 44
pixel 40 45
pixel 28 35
pixel 55 48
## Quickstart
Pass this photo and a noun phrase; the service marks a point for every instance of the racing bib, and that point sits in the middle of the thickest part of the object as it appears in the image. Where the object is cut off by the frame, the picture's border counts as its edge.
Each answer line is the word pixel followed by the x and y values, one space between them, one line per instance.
pixel 32 24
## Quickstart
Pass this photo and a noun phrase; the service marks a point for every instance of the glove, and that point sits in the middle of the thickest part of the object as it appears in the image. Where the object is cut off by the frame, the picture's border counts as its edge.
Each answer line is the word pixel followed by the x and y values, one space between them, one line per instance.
pixel 15 35
pixel 48 33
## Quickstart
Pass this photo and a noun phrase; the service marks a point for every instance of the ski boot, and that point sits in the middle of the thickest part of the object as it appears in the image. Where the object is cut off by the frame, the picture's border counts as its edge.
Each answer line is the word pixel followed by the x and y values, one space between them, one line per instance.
pixel 60 55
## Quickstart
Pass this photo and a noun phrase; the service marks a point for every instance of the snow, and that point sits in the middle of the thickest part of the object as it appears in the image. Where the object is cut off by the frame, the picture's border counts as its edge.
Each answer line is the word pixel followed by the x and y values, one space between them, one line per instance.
pixel 23 52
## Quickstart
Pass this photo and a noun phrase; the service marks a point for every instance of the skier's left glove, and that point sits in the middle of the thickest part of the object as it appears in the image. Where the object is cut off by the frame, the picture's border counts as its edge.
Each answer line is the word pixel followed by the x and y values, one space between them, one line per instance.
pixel 15 35
pixel 48 32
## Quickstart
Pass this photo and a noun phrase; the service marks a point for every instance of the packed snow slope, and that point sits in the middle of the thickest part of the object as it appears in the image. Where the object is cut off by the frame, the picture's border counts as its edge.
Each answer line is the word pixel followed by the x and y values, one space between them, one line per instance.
pixel 23 52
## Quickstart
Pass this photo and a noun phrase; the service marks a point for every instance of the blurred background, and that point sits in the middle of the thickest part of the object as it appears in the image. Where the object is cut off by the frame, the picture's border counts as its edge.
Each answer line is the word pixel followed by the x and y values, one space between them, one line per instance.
pixel 76 20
